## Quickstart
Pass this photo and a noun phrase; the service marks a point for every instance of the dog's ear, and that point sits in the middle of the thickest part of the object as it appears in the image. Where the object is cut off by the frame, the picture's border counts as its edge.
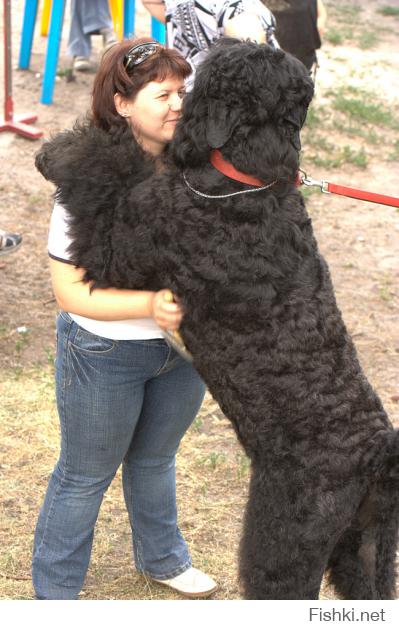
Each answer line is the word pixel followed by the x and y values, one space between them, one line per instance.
pixel 296 120
pixel 221 123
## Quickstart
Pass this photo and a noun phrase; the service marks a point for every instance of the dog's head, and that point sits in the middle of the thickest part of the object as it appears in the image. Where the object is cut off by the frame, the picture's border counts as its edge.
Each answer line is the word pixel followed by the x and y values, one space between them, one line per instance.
pixel 245 95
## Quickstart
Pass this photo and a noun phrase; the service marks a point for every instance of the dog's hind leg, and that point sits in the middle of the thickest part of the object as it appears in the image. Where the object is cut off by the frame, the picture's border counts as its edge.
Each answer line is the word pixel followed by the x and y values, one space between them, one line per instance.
pixel 285 544
pixel 362 564
pixel 293 578
pixel 351 566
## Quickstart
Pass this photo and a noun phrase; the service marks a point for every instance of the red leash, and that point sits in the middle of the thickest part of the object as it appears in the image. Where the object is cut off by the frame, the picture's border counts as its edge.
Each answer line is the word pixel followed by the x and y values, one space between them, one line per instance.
pixel 217 160
pixel 355 193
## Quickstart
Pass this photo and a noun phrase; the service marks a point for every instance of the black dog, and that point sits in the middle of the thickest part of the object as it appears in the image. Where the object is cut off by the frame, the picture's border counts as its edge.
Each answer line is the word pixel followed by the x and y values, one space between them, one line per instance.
pixel 260 320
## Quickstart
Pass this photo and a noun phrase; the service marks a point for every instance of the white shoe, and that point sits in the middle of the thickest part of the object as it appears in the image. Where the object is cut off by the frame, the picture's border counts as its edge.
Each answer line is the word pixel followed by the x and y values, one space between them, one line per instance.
pixel 82 64
pixel 191 583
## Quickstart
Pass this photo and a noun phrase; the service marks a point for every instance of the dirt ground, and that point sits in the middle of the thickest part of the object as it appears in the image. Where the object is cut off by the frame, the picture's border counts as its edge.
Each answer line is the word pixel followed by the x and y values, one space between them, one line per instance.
pixel 358 239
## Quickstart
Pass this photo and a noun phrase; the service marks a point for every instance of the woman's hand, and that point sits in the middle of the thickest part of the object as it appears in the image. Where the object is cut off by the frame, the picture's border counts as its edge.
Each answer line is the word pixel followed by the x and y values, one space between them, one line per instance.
pixel 167 313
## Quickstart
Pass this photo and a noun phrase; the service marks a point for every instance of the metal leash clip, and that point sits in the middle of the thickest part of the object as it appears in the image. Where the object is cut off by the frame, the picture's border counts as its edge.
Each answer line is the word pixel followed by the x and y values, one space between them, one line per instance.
pixel 309 181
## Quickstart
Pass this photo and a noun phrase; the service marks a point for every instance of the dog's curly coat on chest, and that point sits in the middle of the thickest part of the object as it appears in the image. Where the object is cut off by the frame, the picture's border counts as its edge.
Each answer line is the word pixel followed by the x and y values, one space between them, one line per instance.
pixel 261 320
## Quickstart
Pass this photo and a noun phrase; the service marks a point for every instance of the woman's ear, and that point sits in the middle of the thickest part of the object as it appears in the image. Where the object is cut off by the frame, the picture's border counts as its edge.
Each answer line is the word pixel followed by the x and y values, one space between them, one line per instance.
pixel 122 105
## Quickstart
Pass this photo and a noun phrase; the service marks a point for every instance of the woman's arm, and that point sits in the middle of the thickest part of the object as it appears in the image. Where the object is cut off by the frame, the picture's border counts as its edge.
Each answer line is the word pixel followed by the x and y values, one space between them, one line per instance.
pixel 74 296
pixel 245 26
pixel 156 8
pixel 321 17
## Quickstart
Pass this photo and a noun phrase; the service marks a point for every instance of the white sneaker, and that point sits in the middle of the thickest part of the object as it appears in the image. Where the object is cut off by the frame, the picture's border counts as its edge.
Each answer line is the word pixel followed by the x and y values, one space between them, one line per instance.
pixel 82 64
pixel 191 583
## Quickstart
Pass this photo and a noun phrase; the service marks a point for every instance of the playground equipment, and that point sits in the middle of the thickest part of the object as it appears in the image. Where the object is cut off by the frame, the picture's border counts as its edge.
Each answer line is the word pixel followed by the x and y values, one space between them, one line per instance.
pixel 17 124
pixel 123 15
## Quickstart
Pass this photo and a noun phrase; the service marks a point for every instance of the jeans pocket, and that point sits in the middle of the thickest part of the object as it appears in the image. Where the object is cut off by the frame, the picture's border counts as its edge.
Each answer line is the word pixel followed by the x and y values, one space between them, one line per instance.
pixel 66 317
pixel 85 341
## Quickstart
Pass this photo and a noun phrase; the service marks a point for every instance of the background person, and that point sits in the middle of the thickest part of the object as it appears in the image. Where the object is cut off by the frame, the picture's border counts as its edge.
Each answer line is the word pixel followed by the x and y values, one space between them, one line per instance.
pixel 193 26
pixel 88 17
pixel 300 26
pixel 123 395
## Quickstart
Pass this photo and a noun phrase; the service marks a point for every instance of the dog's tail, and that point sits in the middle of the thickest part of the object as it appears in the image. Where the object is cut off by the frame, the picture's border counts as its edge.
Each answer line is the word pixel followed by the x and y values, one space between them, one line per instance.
pixel 385 463
pixel 381 462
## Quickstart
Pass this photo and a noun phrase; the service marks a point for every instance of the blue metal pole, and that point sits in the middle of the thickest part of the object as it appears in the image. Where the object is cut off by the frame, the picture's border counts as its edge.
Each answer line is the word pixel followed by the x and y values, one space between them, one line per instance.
pixel 53 49
pixel 128 18
pixel 28 28
pixel 158 31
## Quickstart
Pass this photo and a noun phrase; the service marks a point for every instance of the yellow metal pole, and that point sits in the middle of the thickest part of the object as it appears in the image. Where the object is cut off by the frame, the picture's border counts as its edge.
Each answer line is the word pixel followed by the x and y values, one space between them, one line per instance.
pixel 116 7
pixel 45 17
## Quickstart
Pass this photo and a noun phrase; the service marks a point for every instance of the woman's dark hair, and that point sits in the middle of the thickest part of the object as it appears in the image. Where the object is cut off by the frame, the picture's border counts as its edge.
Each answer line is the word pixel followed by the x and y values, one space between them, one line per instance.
pixel 112 77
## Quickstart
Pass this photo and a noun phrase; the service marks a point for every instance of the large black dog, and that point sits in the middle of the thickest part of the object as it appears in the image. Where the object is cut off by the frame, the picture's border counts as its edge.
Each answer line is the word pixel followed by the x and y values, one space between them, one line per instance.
pixel 261 320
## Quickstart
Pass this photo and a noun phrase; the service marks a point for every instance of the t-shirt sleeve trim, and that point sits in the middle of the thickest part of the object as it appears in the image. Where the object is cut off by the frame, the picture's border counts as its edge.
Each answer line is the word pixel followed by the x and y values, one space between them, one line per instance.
pixel 63 260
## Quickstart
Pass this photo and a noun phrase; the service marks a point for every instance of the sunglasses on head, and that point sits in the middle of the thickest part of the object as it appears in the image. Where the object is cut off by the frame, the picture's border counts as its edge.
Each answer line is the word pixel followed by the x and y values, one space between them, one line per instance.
pixel 139 53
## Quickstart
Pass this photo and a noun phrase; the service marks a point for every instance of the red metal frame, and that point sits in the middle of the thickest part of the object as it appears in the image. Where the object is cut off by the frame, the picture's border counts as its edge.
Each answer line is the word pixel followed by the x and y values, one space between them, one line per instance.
pixel 17 124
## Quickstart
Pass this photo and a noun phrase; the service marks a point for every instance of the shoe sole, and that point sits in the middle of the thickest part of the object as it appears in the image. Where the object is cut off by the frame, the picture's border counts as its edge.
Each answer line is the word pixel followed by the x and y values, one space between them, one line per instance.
pixel 82 68
pixel 189 595
pixel 10 250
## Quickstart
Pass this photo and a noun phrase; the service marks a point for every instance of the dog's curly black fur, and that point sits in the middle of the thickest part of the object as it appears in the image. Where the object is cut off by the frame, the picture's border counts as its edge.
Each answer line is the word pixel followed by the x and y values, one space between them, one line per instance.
pixel 261 320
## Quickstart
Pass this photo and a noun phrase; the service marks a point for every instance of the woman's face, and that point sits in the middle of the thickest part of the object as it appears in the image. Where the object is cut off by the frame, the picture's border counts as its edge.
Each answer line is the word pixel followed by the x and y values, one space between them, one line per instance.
pixel 154 112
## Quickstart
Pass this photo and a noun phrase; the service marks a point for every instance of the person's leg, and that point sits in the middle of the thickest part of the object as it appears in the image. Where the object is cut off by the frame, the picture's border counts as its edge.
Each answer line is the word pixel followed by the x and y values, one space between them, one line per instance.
pixel 79 43
pixel 172 400
pixel 89 17
pixel 98 407
pixel 95 15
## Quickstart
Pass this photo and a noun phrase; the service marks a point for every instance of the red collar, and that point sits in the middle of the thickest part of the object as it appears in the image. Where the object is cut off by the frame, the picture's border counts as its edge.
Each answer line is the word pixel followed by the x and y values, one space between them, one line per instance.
pixel 217 160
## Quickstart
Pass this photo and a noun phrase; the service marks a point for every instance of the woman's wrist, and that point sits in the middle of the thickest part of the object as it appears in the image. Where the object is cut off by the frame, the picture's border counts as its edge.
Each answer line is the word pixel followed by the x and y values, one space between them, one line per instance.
pixel 150 303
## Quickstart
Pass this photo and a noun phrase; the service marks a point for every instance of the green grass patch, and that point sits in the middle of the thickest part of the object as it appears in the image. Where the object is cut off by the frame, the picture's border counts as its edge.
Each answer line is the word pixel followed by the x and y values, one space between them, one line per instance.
pixel 353 130
pixel 320 143
pixel 341 156
pixel 315 117
pixel 389 11
pixel 364 107
pixel 334 36
pixel 337 36
pixel 367 39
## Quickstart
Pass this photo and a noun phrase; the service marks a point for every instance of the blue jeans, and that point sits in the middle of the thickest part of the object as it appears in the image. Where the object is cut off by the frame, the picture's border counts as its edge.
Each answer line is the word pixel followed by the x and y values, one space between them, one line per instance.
pixel 119 402
pixel 87 16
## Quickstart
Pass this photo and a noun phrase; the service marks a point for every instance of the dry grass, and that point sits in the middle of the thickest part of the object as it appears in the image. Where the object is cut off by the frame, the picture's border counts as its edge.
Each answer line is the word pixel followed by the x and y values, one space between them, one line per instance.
pixel 212 481
pixel 213 475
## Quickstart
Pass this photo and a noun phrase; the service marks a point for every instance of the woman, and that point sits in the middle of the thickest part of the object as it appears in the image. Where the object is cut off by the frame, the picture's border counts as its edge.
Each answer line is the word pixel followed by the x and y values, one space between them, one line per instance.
pixel 192 27
pixel 123 395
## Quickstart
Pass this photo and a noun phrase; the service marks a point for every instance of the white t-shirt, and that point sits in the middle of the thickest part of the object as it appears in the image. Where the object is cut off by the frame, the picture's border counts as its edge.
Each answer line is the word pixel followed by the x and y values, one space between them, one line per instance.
pixel 192 26
pixel 58 242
